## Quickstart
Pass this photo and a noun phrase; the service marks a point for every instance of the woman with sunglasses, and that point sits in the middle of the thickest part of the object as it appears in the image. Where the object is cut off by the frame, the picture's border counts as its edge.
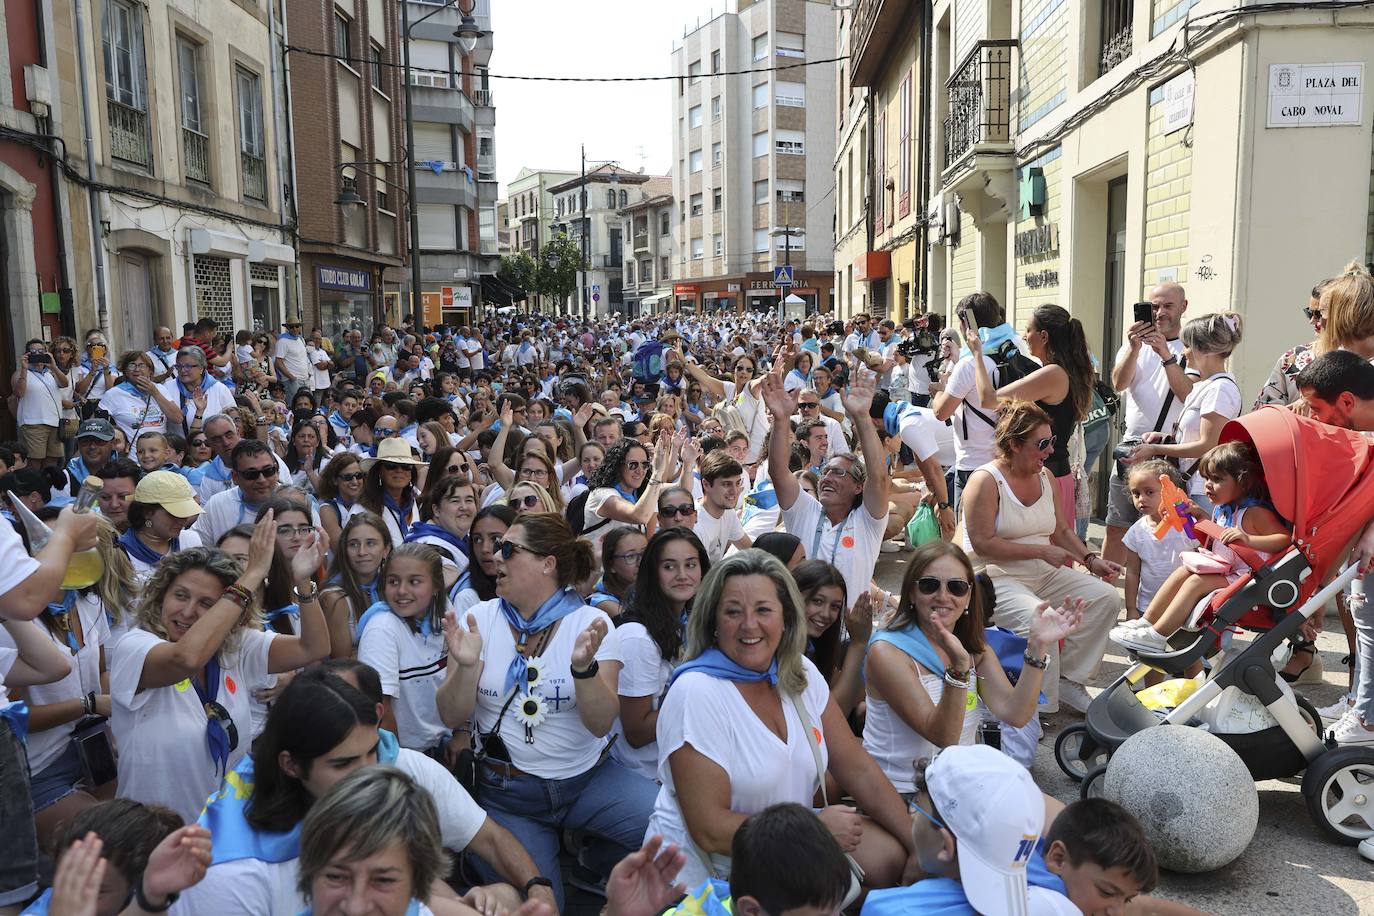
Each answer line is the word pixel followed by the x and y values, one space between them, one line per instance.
pixel 389 491
pixel 1016 525
pixel 351 583
pixel 198 451
pixel 741 391
pixel 621 551
pixel 535 673
pixel 180 679
pixel 340 487
pixel 478 583
pixel 624 489
pixel 932 678
pixel 446 514
pixel 1281 387
pixel 529 498
pixel 651 631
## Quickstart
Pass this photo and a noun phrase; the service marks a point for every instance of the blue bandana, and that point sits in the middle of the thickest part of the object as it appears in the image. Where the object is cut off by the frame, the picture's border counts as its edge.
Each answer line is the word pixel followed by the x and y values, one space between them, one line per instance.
pixel 137 550
pixel 719 665
pixel 400 513
pixel 215 470
pixel 559 605
pixel 205 384
pixel 381 607
pixel 128 388
pixel 292 611
pixel 894 413
pixel 77 470
pixel 427 529
pixel 915 644
pixel 61 611
pixel 992 338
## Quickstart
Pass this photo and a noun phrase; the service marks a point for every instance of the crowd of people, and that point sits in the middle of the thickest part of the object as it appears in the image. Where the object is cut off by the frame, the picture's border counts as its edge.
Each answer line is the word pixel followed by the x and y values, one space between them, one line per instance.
pixel 455 619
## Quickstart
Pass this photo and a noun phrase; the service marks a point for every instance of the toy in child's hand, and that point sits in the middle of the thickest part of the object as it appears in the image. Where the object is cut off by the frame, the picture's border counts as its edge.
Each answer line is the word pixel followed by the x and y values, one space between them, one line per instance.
pixel 1173 510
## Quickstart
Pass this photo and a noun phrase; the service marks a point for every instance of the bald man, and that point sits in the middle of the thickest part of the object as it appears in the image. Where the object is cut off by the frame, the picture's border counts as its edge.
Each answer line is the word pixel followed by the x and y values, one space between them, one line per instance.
pixel 163 355
pixel 1150 371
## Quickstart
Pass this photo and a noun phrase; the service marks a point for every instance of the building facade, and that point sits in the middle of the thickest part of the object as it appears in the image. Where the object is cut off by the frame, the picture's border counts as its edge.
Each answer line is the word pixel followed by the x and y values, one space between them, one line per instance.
pixel 1080 153
pixel 455 169
pixel 348 137
pixel 530 210
pixel 753 156
pixel 647 227
pixel 586 208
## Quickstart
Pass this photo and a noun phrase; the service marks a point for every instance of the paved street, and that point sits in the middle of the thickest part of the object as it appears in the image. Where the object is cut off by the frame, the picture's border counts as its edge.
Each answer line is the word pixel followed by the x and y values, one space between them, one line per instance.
pixel 1289 867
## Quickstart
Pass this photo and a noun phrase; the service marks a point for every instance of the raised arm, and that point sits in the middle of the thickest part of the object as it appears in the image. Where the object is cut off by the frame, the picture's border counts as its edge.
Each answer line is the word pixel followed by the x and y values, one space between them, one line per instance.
pixel 40 661
pixel 313 642
pixel 709 382
pixel 780 403
pixel 858 398
pixel 496 460
pixel 457 695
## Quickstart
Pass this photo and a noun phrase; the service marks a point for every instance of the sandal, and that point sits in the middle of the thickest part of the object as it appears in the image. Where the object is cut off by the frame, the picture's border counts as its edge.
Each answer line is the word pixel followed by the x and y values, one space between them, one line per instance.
pixel 1311 673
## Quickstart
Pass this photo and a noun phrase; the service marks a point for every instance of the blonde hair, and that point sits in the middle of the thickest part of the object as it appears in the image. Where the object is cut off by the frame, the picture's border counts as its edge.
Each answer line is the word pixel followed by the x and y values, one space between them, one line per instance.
pixel 1217 333
pixel 116 587
pixel 546 499
pixel 1348 303
pixel 1016 424
pixel 147 614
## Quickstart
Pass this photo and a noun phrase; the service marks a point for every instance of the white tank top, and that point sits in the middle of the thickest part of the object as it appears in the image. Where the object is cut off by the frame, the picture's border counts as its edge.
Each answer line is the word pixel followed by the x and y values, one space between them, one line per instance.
pixel 896 746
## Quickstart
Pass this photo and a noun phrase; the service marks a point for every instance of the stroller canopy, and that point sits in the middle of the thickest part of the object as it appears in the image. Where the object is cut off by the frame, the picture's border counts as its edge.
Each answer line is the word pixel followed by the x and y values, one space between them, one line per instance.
pixel 1320 477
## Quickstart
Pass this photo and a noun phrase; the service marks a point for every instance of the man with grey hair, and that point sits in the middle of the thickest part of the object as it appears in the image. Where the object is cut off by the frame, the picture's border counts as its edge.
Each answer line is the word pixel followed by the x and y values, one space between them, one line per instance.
pixel 1151 373
pixel 222 434
pixel 163 355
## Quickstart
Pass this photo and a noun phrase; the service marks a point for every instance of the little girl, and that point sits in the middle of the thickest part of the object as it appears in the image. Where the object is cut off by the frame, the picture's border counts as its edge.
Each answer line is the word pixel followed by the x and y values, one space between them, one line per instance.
pixel 402 637
pixel 1235 485
pixel 353 582
pixel 1150 560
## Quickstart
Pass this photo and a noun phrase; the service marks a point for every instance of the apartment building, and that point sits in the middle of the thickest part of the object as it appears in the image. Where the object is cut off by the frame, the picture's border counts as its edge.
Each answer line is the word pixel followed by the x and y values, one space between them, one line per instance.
pixel 649 255
pixel 753 156
pixel 454 117
pixel 178 210
pixel 1081 152
pixel 587 208
pixel 530 214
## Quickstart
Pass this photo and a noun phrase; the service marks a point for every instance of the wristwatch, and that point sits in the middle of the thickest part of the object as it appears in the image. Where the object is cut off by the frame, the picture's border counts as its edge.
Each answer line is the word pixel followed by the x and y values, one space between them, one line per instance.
pixel 944 506
pixel 590 672
pixel 1171 361
pixel 1042 662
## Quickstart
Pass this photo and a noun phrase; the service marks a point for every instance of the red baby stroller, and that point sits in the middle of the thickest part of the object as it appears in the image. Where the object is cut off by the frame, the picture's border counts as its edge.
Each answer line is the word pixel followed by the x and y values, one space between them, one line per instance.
pixel 1322 480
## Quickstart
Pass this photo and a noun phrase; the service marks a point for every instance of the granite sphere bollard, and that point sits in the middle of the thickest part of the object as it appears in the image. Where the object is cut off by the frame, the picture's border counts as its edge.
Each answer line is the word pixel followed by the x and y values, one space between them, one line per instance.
pixel 1190 791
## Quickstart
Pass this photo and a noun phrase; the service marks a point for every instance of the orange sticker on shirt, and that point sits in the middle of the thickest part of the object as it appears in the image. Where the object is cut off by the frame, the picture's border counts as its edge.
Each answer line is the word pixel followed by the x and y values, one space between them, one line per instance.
pixel 229 683
pixel 820 739
pixel 848 542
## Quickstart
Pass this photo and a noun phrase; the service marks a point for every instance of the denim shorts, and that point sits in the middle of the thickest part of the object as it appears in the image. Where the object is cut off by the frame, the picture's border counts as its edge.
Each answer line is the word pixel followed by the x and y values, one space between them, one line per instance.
pixel 58 779
pixel 18 843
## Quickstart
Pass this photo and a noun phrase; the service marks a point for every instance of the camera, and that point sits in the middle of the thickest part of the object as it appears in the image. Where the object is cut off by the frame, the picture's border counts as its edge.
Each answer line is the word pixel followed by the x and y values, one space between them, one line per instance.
pixel 925 336
pixel 38 358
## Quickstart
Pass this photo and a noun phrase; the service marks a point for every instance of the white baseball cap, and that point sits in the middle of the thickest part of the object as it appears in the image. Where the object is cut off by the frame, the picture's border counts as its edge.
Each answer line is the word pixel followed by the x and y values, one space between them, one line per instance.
pixel 996 812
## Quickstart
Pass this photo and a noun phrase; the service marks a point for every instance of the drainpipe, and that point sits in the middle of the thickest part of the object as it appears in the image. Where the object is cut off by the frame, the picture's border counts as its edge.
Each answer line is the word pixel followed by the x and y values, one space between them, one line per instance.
pixel 923 180
pixel 64 273
pixel 286 143
pixel 97 214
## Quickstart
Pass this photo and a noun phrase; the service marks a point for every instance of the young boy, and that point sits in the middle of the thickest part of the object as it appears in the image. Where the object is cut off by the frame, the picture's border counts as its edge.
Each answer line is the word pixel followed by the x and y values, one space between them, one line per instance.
pixel 718 524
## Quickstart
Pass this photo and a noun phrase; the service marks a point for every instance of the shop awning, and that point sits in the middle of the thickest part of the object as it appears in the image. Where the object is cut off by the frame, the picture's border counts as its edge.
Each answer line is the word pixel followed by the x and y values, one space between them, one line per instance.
pixel 650 302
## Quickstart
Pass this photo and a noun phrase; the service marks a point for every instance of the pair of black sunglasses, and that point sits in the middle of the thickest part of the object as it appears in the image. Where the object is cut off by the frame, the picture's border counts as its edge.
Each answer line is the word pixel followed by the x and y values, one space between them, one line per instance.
pixel 929 585
pixel 255 473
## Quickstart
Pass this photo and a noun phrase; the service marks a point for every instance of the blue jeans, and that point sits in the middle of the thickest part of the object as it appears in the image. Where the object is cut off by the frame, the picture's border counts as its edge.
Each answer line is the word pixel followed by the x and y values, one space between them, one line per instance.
pixel 18 842
pixel 960 480
pixel 608 802
pixel 1363 612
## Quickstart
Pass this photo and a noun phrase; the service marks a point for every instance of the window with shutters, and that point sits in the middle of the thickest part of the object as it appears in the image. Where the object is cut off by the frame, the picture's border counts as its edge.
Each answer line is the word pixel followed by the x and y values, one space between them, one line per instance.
pixel 790 44
pixel 694 161
pixel 696 204
pixel 790 190
pixel 789 142
pixel 761 191
pixel 433 143
pixel 760 240
pixel 717 155
pixel 698 252
pixel 790 95
pixel 879 169
pixel 904 149
pixel 760 96
pixel 438 227
pixel 715 108
pixel 429 64
pixel 760 47
pixel 694 116
pixel 761 144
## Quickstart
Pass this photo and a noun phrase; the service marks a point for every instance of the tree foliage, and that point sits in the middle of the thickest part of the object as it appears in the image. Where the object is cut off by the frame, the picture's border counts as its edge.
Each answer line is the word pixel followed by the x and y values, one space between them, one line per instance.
pixel 553 273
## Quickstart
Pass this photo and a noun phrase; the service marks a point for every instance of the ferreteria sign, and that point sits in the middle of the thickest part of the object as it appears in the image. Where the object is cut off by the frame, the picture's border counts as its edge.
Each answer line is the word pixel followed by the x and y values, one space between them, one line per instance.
pixel 1041 240
pixel 1316 95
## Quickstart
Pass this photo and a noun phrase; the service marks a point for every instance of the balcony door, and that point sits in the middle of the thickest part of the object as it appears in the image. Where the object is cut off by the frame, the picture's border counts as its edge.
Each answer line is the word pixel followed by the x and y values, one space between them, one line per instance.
pixel 136 299
pixel 1113 321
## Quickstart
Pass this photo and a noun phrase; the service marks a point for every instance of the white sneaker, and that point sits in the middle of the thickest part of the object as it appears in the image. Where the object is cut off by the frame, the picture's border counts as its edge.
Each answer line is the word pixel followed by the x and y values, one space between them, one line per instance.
pixel 1074 695
pixel 1134 623
pixel 1351 730
pixel 1142 639
pixel 1338 709
pixel 891 546
pixel 1367 848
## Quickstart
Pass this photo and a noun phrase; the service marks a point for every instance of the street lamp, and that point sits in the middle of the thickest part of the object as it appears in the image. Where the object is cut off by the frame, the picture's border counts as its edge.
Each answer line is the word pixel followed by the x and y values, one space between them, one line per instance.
pixel 468 33
pixel 349 196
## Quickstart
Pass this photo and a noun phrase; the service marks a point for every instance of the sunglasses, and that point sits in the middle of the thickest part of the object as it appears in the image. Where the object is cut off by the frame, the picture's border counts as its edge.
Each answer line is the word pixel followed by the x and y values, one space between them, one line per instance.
pixel 1310 314
pixel 300 531
pixel 636 465
pixel 352 476
pixel 392 466
pixel 529 502
pixel 929 585
pixel 199 443
pixel 255 473
pixel 70 350
pixel 384 430
pixel 453 469
pixel 216 712
pixel 674 511
pixel 809 405
pixel 507 549
pixel 1046 443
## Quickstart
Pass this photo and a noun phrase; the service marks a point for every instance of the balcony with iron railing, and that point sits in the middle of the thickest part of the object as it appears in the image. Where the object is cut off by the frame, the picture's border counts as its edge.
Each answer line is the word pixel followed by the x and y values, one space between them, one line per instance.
pixel 1117 41
pixel 196 153
pixel 874 31
pixel 482 98
pixel 129 134
pixel 980 102
pixel 254 176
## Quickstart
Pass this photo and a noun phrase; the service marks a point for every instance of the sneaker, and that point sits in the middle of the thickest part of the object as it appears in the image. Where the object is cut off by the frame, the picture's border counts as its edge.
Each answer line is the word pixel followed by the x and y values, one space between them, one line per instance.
pixel 1142 639
pixel 1134 623
pixel 1337 710
pixel 1074 695
pixel 891 546
pixel 1351 730
pixel 1367 848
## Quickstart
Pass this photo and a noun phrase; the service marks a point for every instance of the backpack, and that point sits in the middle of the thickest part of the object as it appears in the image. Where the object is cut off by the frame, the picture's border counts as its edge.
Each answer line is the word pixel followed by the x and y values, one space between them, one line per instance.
pixel 648 362
pixel 576 514
pixel 1009 364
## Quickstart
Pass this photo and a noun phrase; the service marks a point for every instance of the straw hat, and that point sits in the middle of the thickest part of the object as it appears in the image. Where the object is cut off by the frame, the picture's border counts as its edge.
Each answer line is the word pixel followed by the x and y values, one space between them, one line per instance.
pixel 393 451
pixel 169 490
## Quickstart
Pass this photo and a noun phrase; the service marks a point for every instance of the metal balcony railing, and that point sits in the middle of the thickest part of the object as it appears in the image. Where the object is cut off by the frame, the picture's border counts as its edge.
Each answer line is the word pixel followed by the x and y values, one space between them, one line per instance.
pixel 129 134
pixel 482 98
pixel 254 176
pixel 979 99
pixel 1116 33
pixel 196 151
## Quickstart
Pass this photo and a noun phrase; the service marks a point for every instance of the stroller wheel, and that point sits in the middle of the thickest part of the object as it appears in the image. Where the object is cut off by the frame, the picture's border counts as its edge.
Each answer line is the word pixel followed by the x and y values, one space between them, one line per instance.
pixel 1339 788
pixel 1093 783
pixel 1076 752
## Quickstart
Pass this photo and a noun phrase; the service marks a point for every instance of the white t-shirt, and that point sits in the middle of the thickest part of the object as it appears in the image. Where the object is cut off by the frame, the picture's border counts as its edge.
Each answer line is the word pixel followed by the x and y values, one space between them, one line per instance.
pixel 1217 394
pixel 1158 556
pixel 97 389
pixel 710 714
pixel 717 534
pixel 755 418
pixel 563 747
pixel 319 378
pixel 1148 389
pixel 974 438
pixel 163 757
pixel 252 887
pixel 227 509
pixel 209 486
pixel 15 563
pixel 218 399
pixel 411 666
pixel 41 404
pixel 133 413
pixel 645 674
pixel 851 546
pixel 450 556
pixel 590 519
pixel 291 351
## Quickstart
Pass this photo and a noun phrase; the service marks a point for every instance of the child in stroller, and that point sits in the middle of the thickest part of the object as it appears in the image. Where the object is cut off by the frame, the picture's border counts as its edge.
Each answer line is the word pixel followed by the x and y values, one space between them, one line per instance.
pixel 1236 487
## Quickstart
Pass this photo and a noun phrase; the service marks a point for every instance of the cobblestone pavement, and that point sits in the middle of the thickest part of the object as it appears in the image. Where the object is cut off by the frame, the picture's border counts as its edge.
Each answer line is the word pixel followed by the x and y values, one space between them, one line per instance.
pixel 1289 867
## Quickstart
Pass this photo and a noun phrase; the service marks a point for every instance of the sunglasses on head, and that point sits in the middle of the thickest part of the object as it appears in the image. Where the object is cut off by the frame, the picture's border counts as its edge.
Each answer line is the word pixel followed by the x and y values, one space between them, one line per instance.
pixel 929 585
pixel 507 549
pixel 529 502
pixel 255 473
pixel 683 511
pixel 352 476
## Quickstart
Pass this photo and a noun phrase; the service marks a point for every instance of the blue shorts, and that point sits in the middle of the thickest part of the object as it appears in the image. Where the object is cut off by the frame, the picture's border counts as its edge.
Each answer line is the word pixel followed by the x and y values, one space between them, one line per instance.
pixel 58 779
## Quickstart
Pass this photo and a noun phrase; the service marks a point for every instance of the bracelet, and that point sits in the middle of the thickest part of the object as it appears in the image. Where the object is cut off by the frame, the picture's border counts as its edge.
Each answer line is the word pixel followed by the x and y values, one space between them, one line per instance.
pixel 88 704
pixel 1171 361
pixel 537 881
pixel 301 599
pixel 953 681
pixel 144 904
pixel 1042 662
pixel 589 673
pixel 238 594
pixel 1089 557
